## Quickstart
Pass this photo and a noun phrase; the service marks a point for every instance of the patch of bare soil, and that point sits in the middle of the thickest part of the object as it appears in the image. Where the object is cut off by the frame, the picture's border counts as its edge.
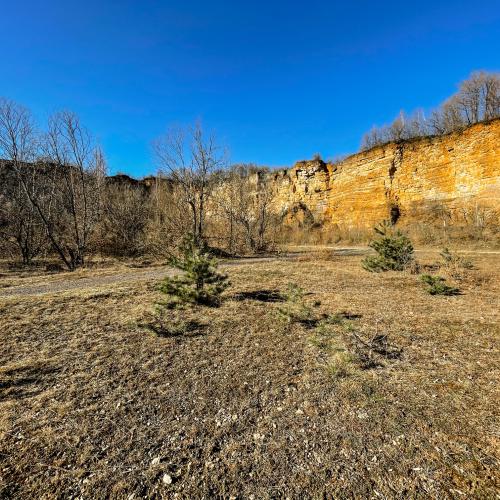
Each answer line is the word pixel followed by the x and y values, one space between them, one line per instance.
pixel 386 391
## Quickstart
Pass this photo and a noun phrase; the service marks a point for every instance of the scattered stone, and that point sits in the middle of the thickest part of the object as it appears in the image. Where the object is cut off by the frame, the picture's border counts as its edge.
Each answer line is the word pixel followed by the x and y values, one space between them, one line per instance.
pixel 155 461
pixel 167 479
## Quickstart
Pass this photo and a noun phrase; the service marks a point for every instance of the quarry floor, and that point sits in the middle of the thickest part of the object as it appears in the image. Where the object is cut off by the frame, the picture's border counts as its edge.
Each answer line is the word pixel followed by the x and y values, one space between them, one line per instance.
pixel 41 282
pixel 238 401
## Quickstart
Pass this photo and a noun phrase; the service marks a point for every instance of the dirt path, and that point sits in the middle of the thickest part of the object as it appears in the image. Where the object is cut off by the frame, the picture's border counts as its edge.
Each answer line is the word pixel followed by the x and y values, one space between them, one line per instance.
pixel 80 283
pixel 84 283
pixel 74 283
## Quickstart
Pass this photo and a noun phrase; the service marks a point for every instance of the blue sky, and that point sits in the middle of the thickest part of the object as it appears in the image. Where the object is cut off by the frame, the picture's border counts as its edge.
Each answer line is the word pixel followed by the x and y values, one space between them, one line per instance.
pixel 277 80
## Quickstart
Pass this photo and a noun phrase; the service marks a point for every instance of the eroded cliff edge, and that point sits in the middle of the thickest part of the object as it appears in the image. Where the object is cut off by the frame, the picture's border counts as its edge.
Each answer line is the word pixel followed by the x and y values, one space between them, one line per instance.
pixel 415 180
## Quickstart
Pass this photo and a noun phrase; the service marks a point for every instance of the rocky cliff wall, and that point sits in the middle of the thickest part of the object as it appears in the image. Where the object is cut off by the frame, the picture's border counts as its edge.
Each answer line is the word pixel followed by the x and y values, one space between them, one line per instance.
pixel 418 179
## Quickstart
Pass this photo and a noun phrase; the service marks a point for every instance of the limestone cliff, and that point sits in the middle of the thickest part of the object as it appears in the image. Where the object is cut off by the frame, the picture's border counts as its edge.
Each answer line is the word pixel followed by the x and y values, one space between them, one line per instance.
pixel 455 173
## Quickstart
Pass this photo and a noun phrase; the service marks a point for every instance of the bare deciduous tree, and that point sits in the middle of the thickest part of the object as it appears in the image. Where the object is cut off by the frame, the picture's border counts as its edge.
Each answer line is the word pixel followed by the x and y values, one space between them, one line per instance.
pixel 19 182
pixel 477 99
pixel 190 159
pixel 170 218
pixel 124 220
pixel 75 168
pixel 244 202
pixel 403 127
pixel 60 175
pixel 375 137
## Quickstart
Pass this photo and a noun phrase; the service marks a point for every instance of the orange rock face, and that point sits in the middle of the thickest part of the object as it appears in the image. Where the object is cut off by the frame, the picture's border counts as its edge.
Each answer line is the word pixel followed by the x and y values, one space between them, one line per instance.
pixel 456 174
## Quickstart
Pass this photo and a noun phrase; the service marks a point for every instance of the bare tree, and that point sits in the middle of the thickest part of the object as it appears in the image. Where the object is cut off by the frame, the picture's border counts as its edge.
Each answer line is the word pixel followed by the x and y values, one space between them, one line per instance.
pixel 169 220
pixel 417 124
pixel 447 118
pixel 59 176
pixel 75 168
pixel 190 160
pixel 19 182
pixel 20 225
pixel 477 99
pixel 375 137
pixel 402 128
pixel 491 95
pixel 232 204
pixel 244 201
pixel 125 216
pixel 265 218
pixel 397 131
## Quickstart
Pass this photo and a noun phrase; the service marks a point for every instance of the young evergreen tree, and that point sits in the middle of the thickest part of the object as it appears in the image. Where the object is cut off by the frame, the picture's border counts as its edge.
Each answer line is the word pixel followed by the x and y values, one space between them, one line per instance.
pixel 436 285
pixel 294 307
pixel 200 282
pixel 394 249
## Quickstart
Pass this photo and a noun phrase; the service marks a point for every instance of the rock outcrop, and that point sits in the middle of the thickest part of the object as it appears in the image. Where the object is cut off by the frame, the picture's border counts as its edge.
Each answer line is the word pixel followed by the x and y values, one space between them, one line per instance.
pixel 415 180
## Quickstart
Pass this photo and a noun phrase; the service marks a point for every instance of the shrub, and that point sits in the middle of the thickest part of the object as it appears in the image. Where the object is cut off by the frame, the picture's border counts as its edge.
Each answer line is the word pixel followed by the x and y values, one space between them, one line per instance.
pixel 200 283
pixel 394 249
pixel 450 258
pixel 337 358
pixel 455 265
pixel 295 309
pixel 436 285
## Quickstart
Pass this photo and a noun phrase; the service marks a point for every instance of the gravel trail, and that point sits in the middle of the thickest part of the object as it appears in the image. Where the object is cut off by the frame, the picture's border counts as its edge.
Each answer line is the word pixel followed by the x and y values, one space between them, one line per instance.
pixel 80 283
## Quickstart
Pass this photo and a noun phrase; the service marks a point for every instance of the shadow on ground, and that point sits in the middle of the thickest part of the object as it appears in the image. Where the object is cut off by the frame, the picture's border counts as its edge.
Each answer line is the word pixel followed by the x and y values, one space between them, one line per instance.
pixel 259 295
pixel 24 381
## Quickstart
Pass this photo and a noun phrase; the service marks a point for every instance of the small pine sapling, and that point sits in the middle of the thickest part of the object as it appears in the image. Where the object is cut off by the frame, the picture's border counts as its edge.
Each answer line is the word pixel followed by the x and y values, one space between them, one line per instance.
pixel 294 308
pixel 436 285
pixel 200 282
pixel 394 250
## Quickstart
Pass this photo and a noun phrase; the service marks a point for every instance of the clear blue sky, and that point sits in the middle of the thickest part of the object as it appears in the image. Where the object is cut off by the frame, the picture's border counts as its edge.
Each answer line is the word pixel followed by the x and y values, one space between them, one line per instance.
pixel 277 80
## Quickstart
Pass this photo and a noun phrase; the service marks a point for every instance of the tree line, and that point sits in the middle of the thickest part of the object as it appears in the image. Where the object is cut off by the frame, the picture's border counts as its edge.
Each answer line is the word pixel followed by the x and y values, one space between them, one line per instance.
pixel 477 100
pixel 57 200
pixel 56 197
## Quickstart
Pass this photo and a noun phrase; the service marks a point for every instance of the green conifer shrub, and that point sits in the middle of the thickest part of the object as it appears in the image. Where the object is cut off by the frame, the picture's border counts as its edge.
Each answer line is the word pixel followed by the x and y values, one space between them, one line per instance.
pixel 295 309
pixel 436 285
pixel 394 249
pixel 200 282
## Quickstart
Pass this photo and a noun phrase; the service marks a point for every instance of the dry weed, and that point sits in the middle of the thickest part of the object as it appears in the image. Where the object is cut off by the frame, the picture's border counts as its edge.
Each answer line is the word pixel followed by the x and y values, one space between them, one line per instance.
pixel 94 406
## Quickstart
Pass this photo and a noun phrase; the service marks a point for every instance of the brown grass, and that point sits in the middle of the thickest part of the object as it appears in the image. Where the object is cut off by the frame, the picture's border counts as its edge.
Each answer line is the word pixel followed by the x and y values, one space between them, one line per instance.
pixel 237 402
pixel 429 233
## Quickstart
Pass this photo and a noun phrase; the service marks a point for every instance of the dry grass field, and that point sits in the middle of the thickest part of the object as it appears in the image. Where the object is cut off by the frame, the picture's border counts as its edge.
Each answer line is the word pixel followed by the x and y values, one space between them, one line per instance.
pixel 383 391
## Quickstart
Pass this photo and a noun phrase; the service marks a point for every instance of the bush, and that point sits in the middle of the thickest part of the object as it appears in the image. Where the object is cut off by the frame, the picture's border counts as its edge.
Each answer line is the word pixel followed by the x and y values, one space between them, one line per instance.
pixel 453 258
pixel 453 261
pixel 394 249
pixel 200 283
pixel 294 307
pixel 436 285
